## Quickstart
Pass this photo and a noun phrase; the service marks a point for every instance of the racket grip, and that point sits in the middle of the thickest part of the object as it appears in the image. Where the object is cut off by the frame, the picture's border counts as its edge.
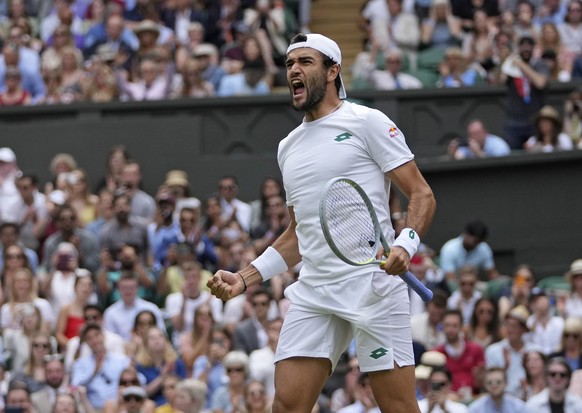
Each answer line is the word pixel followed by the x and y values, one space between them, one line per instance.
pixel 417 286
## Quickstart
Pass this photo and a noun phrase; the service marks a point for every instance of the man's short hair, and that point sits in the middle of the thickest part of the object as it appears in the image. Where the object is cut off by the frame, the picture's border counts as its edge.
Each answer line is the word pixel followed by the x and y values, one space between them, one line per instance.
pixel 90 327
pixel 12 225
pixel 439 299
pixel 562 362
pixel 441 369
pixel 454 312
pixel 29 175
pixel 477 229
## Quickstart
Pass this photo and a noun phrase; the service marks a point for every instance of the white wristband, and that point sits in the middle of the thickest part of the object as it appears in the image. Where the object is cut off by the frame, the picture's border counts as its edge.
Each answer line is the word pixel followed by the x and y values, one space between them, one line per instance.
pixel 409 240
pixel 270 263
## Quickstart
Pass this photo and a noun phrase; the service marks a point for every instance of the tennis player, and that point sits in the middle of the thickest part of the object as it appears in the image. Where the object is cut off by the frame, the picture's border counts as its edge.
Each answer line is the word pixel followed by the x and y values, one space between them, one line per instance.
pixel 334 302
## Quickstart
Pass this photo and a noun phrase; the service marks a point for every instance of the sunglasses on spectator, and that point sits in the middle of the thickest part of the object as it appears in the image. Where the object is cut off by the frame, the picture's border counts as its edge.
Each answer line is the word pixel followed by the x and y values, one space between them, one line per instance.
pixel 92 317
pixel 14 256
pixel 133 398
pixel 573 335
pixel 132 382
pixel 260 303
pixel 235 370
pixel 41 345
pixel 556 374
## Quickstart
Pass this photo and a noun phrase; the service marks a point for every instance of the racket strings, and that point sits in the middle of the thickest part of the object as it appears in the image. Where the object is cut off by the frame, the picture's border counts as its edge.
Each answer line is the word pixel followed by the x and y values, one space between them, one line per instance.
pixel 350 224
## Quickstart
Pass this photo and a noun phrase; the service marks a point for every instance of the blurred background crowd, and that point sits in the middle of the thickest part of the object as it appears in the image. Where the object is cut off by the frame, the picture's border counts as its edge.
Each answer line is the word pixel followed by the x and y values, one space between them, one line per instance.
pixel 104 304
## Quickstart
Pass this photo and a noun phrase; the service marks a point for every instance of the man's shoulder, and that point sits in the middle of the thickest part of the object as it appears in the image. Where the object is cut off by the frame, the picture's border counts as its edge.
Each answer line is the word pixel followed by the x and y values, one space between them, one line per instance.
pixel 539 399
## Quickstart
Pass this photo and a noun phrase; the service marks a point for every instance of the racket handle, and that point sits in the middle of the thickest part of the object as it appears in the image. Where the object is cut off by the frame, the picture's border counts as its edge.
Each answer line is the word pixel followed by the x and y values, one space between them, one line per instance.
pixel 417 286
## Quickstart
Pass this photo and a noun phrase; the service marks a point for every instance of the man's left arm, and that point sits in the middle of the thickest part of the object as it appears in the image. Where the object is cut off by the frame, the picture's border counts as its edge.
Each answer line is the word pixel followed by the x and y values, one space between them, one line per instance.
pixel 421 209
pixel 540 80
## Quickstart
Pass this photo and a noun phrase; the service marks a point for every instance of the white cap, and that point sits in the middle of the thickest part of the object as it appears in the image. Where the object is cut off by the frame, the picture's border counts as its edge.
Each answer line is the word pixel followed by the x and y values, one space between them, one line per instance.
pixel 7 155
pixel 326 46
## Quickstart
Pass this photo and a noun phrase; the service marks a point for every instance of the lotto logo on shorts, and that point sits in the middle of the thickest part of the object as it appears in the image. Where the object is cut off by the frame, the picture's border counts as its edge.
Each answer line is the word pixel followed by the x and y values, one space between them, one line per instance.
pixel 379 352
pixel 393 132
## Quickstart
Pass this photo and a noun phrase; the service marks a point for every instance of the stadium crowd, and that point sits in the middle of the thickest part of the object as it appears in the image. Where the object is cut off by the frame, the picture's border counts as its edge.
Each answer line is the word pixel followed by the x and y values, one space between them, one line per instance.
pixel 104 305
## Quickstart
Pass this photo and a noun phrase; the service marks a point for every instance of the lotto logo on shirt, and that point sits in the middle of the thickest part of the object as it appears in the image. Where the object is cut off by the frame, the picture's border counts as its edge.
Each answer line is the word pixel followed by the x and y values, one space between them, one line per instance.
pixel 393 132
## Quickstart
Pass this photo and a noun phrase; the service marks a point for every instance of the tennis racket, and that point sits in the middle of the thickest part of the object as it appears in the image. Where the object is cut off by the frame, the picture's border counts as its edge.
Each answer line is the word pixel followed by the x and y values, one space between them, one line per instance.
pixel 352 230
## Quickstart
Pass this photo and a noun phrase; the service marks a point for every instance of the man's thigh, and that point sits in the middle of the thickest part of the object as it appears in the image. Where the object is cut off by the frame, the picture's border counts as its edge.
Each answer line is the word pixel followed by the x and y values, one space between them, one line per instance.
pixel 298 383
pixel 394 390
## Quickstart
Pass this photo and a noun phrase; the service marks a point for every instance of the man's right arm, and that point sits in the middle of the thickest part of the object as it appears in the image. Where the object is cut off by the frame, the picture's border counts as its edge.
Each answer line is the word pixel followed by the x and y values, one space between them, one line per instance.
pixel 226 285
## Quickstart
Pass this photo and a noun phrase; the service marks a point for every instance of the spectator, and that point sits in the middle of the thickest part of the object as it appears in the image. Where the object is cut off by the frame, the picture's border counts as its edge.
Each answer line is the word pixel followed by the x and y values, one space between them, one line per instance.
pixel 112 32
pixel 545 328
pixel 267 19
pixel 207 57
pixel 480 143
pixel 262 360
pixel 70 318
pixel 508 353
pixel 251 334
pixel 63 14
pixel 127 260
pixel 524 280
pixel 72 401
pixel 256 399
pixel 23 290
pixel 558 71
pixel 523 25
pixel 19 256
pixel 99 84
pixel 14 93
pixel 197 341
pixel 80 196
pixel 232 207
pixel 124 229
pixel 17 341
pixel 164 231
pixel 466 297
pixel 526 80
pixel 51 57
pixel 549 136
pixel 120 316
pixel 213 221
pixel 454 70
pixel 142 204
pixel 144 320
pixel 8 173
pixel 465 359
pixel 469 248
pixel 276 221
pixel 103 211
pixel 571 343
pixel 572 120
pixel 150 83
pixel 495 398
pixel 134 399
pixel 193 83
pixel 184 48
pixel 571 28
pixel 59 286
pixel 190 396
pixel 437 400
pixel 209 367
pixel 440 29
pixel 391 77
pixel 483 328
pixel 270 186
pixel 230 397
pixel 117 157
pixel 427 327
pixel 54 372
pixel 129 379
pixel 572 305
pixel 346 393
pixel 28 56
pixel 550 11
pixel 54 94
pixel 61 164
pixel 250 81
pixel 192 232
pixel 365 400
pixel 18 397
pixel 155 360
pixel 29 211
pixel 101 371
pixel 15 259
pixel 169 384
pixel 534 364
pixel 558 375
pixel 478 43
pixel 176 183
pixel 67 231
pixel 181 306
pixel 33 374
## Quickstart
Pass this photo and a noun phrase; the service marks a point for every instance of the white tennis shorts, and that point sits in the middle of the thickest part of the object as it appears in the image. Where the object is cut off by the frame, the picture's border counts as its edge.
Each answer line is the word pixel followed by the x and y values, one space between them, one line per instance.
pixel 374 309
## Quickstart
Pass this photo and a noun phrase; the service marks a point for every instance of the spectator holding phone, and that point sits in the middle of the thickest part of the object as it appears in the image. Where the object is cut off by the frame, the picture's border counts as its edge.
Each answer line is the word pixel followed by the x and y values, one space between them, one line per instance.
pixel 18 399
pixel 437 399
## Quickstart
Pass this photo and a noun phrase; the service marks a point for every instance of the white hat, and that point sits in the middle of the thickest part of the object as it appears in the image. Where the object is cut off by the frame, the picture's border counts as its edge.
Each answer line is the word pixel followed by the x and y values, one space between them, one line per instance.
pixel 575 269
pixel 7 155
pixel 134 391
pixel 326 46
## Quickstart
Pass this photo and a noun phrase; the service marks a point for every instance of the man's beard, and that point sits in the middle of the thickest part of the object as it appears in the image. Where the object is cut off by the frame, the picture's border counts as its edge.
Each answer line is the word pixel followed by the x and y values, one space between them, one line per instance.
pixel 315 93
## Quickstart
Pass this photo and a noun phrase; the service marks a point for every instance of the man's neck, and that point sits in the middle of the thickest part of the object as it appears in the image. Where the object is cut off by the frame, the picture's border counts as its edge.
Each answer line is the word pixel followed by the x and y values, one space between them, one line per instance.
pixel 557 395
